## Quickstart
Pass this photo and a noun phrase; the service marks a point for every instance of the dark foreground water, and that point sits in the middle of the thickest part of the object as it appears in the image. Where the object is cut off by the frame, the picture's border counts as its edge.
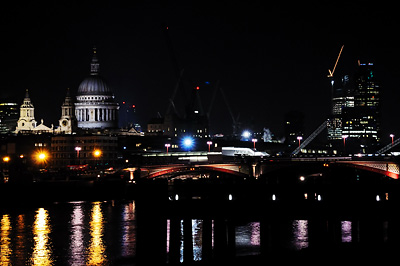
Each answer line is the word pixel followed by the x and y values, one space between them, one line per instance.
pixel 105 233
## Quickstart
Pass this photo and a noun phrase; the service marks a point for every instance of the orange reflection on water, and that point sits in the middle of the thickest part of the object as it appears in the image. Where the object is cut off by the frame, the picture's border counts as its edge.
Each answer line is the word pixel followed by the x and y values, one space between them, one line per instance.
pixel 96 247
pixel 20 241
pixel 5 241
pixel 42 253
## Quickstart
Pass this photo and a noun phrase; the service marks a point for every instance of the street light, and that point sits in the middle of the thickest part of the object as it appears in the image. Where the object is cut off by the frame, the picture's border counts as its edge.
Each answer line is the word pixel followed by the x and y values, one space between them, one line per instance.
pixel 97 153
pixel 209 143
pixel 392 136
pixel 344 137
pixel 78 149
pixel 299 138
pixel 254 142
pixel 167 145
pixel 6 159
pixel 41 157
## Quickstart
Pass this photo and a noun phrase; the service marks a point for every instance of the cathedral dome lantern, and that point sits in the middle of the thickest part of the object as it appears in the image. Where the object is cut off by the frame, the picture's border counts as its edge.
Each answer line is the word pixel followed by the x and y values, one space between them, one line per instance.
pixel 95 107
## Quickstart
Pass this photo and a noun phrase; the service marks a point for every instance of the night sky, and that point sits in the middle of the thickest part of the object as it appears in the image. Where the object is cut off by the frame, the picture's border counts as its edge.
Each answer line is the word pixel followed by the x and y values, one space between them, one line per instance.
pixel 269 58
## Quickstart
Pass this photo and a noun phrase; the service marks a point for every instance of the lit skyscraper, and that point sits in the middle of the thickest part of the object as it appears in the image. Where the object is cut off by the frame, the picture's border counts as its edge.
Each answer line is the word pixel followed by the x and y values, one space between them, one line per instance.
pixel 362 121
pixel 342 97
pixel 9 113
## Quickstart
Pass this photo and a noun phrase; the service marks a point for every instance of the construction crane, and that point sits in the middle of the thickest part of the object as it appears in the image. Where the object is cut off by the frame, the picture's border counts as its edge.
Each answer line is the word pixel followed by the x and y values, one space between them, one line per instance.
pixel 235 121
pixel 311 137
pixel 334 67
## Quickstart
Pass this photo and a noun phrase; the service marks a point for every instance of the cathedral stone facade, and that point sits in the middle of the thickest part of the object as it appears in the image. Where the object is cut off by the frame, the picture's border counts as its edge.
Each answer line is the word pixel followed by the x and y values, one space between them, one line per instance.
pixel 95 107
pixel 26 121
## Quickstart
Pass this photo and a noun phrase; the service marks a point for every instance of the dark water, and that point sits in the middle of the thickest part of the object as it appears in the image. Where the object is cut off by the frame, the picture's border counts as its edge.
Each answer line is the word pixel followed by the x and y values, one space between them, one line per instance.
pixel 104 233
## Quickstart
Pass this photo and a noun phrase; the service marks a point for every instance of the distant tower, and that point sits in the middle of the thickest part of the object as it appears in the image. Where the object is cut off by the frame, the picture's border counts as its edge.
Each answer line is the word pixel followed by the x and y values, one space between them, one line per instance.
pixel 26 119
pixel 67 121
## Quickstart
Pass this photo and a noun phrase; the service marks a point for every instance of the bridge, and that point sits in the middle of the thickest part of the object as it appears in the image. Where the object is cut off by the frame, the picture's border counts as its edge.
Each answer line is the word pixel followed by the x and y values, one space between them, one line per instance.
pixel 258 167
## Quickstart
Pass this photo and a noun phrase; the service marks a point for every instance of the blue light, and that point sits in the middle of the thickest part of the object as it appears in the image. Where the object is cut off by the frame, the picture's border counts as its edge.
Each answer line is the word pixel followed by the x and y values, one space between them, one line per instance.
pixel 187 142
pixel 246 135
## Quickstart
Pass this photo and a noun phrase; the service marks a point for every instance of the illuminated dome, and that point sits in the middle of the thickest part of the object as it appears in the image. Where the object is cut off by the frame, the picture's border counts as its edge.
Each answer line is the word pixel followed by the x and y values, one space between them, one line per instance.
pixel 94 85
pixel 95 107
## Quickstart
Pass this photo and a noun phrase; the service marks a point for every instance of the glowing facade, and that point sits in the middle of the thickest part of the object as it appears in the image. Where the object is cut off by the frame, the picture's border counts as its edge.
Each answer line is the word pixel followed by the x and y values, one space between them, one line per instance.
pixel 363 120
pixel 67 121
pixel 95 107
pixel 26 121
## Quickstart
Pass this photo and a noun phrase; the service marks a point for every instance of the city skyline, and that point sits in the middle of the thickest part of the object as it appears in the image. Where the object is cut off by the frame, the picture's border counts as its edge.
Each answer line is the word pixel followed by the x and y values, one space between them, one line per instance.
pixel 268 60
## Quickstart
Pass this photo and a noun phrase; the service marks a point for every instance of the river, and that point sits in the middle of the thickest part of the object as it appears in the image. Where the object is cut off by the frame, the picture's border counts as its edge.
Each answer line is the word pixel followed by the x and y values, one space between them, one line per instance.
pixel 105 233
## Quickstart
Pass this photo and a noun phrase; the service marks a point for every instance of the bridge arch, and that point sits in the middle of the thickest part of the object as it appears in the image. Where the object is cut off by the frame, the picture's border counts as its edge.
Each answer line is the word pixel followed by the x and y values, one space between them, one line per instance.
pixel 389 169
pixel 176 170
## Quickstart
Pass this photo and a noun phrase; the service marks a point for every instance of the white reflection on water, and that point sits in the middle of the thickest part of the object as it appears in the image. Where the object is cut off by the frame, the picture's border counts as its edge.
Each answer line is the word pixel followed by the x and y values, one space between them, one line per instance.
pixel 346 231
pixel 77 245
pixel 128 241
pixel 212 234
pixel 42 253
pixel 197 236
pixel 168 234
pixel 247 239
pixel 5 240
pixel 181 242
pixel 300 234
pixel 196 239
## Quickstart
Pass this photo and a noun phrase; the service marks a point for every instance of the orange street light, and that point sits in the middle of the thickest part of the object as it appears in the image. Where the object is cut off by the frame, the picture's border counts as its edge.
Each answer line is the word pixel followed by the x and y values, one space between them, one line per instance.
pixel 97 153
pixel 41 157
pixel 6 159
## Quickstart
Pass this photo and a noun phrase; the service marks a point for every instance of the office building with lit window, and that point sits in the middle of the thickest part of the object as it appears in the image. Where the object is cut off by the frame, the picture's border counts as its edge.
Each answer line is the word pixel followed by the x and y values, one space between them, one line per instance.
pixel 342 97
pixel 9 113
pixel 362 122
pixel 75 150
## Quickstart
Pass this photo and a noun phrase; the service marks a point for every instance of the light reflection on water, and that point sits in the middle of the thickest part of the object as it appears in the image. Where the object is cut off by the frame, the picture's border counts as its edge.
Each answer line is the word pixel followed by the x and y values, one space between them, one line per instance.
pixel 5 240
pixel 68 234
pixel 128 238
pixel 196 238
pixel 77 245
pixel 99 233
pixel 299 234
pixel 346 231
pixel 247 239
pixel 97 247
pixel 197 235
pixel 42 251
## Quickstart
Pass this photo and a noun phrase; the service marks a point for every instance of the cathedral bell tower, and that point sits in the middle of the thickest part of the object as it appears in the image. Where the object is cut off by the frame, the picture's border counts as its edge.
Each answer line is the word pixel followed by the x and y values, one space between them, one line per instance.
pixel 67 121
pixel 26 121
